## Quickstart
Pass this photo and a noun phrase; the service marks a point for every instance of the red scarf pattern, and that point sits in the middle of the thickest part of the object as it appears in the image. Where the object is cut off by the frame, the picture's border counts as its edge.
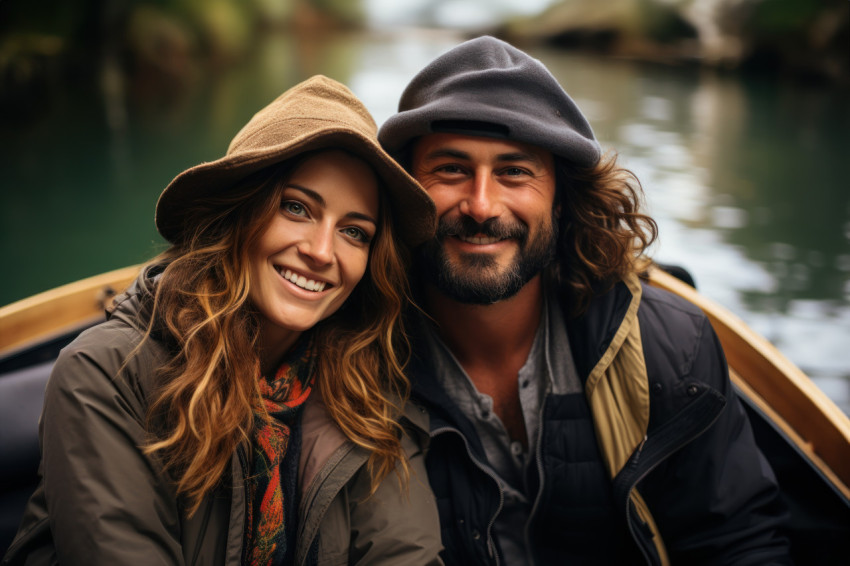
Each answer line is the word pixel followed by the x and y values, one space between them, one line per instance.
pixel 284 398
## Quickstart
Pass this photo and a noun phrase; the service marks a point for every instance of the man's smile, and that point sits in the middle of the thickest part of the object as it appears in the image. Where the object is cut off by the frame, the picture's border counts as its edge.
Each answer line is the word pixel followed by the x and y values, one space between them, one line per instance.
pixel 479 240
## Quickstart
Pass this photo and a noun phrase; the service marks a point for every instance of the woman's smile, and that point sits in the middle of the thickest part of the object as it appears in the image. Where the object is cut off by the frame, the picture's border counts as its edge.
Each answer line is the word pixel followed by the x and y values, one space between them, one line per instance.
pixel 315 250
pixel 303 281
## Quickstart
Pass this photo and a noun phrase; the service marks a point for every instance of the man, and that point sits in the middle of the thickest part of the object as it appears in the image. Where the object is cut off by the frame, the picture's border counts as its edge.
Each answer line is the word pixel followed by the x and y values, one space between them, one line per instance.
pixel 578 416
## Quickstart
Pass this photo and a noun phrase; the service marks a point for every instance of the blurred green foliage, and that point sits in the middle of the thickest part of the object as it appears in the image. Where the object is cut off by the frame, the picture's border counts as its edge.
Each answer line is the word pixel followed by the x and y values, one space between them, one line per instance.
pixel 166 36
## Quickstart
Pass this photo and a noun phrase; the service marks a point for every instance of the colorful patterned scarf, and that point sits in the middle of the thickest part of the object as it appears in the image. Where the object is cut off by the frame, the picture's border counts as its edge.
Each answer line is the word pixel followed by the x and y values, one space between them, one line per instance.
pixel 284 396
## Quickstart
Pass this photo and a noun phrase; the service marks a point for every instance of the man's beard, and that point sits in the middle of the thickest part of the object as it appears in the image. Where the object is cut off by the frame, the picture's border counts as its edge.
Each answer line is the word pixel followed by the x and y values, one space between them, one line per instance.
pixel 475 278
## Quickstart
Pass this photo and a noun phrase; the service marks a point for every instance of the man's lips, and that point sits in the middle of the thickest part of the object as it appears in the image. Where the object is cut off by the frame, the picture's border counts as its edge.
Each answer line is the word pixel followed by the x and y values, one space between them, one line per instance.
pixel 479 240
pixel 485 233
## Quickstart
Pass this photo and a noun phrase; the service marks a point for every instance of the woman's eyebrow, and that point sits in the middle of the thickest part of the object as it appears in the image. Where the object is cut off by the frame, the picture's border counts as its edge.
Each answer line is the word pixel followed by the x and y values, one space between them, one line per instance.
pixel 309 192
pixel 361 216
pixel 321 202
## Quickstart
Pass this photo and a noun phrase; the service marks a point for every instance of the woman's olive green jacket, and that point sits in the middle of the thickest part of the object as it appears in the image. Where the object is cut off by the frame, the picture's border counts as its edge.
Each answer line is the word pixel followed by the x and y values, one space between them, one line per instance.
pixel 101 500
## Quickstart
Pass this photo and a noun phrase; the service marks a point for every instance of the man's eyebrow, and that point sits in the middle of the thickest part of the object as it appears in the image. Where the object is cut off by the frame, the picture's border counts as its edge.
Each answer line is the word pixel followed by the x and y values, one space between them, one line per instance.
pixel 458 154
pixel 447 152
pixel 519 156
pixel 321 201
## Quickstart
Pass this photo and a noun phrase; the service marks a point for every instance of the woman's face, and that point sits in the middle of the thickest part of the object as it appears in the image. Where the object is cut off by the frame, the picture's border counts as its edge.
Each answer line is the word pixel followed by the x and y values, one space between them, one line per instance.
pixel 315 250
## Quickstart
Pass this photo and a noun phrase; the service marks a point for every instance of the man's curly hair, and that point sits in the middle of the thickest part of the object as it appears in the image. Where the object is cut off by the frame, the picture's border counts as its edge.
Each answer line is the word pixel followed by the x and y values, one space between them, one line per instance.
pixel 602 233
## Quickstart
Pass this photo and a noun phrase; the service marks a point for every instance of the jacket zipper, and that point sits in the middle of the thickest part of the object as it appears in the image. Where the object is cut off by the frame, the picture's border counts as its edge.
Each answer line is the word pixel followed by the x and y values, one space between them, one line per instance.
pixel 310 514
pixel 539 460
pixel 633 462
pixel 242 457
pixel 204 524
pixel 490 544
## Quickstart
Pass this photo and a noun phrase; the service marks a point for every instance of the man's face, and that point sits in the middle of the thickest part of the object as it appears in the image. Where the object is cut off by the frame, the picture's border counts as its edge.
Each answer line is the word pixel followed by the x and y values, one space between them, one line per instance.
pixel 494 201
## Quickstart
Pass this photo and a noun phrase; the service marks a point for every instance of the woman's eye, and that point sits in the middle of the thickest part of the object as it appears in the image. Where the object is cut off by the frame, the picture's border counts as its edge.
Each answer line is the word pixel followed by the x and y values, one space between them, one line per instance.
pixel 294 207
pixel 356 233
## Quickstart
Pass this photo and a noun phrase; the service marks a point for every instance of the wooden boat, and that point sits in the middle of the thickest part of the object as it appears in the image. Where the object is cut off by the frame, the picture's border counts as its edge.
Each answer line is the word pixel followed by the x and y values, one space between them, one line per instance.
pixel 803 434
pixel 32 331
pixel 60 311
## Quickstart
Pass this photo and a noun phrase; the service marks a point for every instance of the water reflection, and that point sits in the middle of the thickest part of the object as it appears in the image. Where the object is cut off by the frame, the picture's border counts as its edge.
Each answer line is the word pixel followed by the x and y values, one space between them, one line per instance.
pixel 743 177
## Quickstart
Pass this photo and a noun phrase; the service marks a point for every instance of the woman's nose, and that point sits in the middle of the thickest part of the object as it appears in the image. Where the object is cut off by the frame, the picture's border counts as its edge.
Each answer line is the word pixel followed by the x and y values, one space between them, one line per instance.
pixel 318 245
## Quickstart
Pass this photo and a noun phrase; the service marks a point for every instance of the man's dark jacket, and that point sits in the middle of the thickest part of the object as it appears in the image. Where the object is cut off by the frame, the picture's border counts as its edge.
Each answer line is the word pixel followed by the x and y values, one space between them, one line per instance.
pixel 654 464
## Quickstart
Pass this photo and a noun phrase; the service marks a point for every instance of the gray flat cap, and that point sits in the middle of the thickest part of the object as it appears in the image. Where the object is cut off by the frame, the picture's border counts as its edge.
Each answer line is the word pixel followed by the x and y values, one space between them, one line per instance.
pixel 488 87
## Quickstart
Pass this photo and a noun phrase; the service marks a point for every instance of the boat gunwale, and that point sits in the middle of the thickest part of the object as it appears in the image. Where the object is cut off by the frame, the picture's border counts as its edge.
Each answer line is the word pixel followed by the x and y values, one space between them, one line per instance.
pixel 59 310
pixel 777 386
pixel 757 368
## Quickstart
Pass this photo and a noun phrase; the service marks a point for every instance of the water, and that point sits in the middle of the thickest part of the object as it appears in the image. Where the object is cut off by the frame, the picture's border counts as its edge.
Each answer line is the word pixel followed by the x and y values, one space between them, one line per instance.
pixel 744 176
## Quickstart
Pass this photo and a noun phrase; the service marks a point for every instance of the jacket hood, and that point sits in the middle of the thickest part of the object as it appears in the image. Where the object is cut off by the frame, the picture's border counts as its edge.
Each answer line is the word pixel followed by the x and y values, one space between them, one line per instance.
pixel 133 305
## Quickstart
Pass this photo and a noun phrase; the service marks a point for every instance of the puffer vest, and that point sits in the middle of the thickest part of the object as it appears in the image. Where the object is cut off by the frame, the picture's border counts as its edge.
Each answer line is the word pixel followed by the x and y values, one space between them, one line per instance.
pixel 574 519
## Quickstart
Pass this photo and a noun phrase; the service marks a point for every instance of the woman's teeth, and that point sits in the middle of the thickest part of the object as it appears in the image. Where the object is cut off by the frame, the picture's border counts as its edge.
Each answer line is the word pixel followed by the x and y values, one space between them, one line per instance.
pixel 303 282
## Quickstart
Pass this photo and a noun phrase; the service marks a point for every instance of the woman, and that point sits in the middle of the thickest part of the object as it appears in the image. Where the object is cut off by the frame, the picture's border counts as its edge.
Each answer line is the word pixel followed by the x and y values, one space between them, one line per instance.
pixel 243 402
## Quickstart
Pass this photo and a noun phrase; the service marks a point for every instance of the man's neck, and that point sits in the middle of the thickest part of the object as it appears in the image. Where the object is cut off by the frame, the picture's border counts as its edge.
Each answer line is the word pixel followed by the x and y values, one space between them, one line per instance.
pixel 488 332
pixel 492 343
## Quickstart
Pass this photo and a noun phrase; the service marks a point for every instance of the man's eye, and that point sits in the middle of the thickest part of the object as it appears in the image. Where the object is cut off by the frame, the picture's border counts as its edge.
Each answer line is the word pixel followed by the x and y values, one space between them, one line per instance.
pixel 294 207
pixel 449 169
pixel 515 171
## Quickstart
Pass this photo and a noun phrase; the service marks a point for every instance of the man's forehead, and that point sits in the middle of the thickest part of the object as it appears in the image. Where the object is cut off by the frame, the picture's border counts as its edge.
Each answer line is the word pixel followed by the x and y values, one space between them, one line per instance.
pixel 464 146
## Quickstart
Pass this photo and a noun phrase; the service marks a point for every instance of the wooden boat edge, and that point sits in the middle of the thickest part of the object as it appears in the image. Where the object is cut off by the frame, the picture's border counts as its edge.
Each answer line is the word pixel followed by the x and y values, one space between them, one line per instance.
pixel 807 417
pixel 759 370
pixel 57 310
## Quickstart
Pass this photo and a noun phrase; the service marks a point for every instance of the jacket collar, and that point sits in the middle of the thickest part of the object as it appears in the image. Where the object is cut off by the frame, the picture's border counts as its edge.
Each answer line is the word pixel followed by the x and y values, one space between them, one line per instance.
pixel 595 331
pixel 425 388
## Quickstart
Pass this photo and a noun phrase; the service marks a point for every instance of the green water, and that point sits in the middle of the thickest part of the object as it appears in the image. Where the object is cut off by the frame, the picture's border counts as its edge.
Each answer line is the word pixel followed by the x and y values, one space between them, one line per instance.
pixel 744 175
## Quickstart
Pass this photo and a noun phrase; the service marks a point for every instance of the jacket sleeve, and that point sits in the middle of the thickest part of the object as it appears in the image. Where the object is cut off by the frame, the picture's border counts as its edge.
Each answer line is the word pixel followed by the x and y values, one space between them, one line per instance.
pixel 107 502
pixel 716 500
pixel 395 525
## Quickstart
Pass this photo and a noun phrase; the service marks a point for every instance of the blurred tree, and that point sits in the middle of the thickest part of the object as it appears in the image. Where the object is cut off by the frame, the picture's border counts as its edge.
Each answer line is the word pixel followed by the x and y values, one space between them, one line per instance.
pixel 164 37
pixel 791 36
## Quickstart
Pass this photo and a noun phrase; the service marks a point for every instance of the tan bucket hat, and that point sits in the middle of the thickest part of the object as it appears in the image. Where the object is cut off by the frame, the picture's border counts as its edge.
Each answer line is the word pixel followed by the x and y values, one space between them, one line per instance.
pixel 315 114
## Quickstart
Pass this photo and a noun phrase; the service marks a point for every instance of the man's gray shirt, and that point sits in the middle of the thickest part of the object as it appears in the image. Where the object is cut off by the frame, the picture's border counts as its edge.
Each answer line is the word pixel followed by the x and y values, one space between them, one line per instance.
pixel 548 368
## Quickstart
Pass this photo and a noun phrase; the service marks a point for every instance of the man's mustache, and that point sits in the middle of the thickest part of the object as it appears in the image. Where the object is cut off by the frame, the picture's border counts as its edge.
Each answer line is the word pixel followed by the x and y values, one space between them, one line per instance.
pixel 466 227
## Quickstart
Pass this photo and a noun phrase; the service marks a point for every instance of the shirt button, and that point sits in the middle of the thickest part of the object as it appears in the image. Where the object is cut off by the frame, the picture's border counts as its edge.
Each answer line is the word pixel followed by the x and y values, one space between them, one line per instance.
pixel 475 534
pixel 516 448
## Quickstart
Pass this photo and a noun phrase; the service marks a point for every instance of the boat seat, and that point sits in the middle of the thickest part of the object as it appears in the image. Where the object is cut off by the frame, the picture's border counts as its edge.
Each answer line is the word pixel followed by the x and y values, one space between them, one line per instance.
pixel 21 399
pixel 678 272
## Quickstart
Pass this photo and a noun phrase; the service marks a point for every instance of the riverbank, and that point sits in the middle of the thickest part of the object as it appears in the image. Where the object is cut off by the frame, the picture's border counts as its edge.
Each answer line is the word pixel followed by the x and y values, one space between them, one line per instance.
pixel 802 40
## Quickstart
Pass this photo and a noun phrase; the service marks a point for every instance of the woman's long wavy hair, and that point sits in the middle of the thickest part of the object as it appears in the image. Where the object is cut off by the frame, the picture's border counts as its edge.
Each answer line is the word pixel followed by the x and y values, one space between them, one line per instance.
pixel 602 233
pixel 207 397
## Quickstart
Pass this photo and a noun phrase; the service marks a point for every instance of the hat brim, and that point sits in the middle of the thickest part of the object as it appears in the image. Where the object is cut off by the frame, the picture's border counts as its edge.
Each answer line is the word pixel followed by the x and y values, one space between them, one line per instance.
pixel 413 209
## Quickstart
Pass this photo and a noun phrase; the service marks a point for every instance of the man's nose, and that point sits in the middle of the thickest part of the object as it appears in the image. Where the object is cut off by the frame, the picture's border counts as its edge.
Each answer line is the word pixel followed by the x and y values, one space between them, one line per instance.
pixel 318 244
pixel 482 201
